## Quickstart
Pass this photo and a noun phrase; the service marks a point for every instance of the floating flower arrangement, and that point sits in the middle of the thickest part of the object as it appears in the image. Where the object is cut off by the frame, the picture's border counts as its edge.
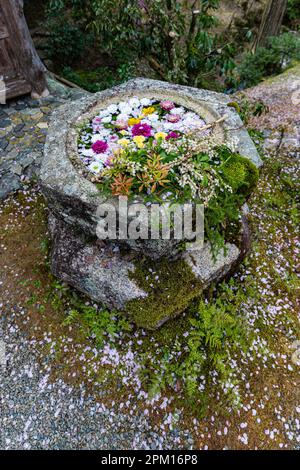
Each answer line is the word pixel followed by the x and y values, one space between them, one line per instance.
pixel 163 151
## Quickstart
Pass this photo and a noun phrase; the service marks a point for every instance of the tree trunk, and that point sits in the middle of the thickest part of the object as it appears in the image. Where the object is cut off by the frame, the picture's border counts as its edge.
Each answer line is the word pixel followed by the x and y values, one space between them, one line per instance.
pixel 271 21
pixel 25 56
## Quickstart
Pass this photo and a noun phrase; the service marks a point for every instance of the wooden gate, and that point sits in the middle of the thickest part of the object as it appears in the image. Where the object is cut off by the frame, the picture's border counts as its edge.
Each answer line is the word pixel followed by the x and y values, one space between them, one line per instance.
pixel 20 67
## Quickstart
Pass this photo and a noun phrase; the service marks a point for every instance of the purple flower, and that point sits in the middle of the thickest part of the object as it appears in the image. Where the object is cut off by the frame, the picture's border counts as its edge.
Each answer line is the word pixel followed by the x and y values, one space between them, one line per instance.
pixel 172 135
pixel 141 129
pixel 100 146
pixel 167 105
pixel 96 120
pixel 109 162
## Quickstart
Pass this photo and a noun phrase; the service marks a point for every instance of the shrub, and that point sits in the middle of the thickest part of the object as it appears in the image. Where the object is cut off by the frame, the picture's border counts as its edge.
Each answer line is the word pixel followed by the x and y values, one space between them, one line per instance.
pixel 175 37
pixel 292 12
pixel 100 78
pixel 269 60
pixel 66 42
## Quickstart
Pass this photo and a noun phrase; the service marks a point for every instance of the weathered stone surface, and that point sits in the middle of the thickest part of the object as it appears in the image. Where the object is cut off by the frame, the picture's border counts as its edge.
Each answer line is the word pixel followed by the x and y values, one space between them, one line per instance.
pixel 75 198
pixel 94 270
pixel 208 269
pixel 116 272
pixel 280 124
pixel 104 273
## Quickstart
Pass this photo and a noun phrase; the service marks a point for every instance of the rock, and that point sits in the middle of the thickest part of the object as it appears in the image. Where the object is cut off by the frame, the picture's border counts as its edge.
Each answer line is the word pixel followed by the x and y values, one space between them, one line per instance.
pixel 115 280
pixel 97 272
pixel 3 144
pixel 42 125
pixel 5 123
pixel 208 269
pixel 17 169
pixel 123 278
pixel 74 197
pixel 281 121
pixel 9 183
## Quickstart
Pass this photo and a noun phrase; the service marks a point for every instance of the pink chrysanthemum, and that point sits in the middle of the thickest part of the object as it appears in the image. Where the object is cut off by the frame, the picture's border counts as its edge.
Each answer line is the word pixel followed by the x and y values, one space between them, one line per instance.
pixel 121 124
pixel 141 129
pixel 100 146
pixel 167 105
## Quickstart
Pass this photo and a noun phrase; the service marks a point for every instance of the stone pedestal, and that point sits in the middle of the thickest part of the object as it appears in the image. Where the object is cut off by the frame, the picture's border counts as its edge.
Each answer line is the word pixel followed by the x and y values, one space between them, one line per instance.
pixel 146 282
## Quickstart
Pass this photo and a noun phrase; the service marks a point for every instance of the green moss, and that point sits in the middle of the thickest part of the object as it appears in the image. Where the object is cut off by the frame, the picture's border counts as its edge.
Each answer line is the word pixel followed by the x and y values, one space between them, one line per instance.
pixel 240 173
pixel 171 286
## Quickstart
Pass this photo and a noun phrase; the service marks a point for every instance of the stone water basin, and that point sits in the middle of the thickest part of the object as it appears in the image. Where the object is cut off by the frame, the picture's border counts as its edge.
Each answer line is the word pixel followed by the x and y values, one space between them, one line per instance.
pixel 150 280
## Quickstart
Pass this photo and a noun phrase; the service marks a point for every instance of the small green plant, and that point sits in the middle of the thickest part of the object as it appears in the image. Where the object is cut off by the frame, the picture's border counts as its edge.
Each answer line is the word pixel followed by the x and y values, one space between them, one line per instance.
pixel 292 13
pixel 247 109
pixel 213 333
pixel 96 323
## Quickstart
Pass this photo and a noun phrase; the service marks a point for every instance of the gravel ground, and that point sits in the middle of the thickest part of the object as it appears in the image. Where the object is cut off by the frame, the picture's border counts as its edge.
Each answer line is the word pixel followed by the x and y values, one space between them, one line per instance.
pixel 39 414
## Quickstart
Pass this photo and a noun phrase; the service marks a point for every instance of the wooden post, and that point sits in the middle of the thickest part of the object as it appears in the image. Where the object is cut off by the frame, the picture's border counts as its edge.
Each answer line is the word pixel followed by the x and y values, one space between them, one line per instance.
pixel 271 21
pixel 20 48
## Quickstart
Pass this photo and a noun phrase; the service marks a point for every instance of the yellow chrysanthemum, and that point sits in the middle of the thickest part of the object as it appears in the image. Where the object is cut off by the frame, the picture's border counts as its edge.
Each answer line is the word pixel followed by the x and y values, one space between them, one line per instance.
pixel 133 121
pixel 123 132
pixel 160 135
pixel 139 141
pixel 123 142
pixel 149 110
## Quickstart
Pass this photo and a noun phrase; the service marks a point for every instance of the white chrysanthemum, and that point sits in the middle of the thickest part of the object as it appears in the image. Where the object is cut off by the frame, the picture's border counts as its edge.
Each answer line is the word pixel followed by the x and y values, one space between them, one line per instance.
pixel 177 111
pixel 189 123
pixel 100 158
pixel 168 125
pixel 112 109
pixel 134 102
pixel 157 125
pixel 190 115
pixel 104 112
pixel 107 119
pixel 153 117
pixel 87 152
pixel 145 102
pixel 123 117
pixel 146 121
pixel 96 167
pixel 125 108
pixel 99 136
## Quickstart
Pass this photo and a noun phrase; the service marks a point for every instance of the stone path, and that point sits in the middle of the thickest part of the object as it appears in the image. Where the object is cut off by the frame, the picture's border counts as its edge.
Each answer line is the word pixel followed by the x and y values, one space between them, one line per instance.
pixel 23 128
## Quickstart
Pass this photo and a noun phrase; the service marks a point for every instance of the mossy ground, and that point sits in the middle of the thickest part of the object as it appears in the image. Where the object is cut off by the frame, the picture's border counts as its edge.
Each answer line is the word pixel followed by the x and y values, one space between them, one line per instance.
pixel 264 291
